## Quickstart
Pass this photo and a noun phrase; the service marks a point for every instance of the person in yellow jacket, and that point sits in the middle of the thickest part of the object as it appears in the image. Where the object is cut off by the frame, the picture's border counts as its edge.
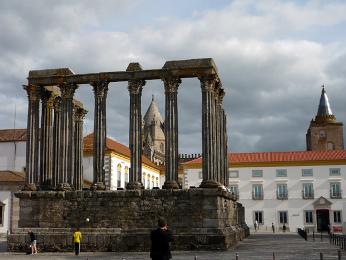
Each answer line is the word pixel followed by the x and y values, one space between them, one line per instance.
pixel 77 237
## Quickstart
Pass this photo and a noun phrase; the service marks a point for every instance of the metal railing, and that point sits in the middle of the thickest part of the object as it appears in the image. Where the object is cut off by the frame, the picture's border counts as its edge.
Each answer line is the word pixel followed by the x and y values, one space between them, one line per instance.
pixel 281 195
pixel 257 195
pixel 307 195
pixel 335 194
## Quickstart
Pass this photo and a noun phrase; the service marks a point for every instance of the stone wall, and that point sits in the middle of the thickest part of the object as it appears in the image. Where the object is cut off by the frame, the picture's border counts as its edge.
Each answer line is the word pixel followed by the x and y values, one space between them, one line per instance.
pixel 122 220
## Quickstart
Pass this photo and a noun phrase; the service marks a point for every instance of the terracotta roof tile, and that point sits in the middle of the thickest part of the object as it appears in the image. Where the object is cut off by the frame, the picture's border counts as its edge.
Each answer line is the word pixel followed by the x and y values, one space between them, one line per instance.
pixel 10 135
pixel 275 157
pixel 12 176
pixel 112 145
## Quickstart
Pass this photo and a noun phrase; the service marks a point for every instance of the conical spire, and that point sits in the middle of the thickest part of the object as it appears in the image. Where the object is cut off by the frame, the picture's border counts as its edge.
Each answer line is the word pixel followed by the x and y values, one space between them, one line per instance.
pixel 152 113
pixel 324 106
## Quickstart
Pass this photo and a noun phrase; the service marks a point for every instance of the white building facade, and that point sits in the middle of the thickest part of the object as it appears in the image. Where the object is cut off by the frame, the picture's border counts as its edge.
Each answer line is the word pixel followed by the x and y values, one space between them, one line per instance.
pixel 117 166
pixel 298 189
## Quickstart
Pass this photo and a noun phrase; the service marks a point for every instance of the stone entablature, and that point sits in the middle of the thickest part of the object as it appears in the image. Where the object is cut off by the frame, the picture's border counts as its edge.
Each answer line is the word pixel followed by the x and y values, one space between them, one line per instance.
pixel 198 218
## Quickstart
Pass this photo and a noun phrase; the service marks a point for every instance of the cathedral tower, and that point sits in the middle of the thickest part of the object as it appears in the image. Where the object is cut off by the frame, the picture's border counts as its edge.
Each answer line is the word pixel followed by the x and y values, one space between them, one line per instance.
pixel 324 133
pixel 153 134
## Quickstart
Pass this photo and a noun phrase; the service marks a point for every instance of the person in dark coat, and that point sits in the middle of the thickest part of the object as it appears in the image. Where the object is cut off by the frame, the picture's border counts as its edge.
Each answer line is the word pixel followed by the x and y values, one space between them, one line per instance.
pixel 160 242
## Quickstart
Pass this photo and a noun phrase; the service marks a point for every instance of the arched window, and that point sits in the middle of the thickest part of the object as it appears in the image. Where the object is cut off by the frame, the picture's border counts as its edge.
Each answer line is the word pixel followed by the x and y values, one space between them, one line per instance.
pixel 148 182
pixel 119 175
pixel 330 146
pixel 157 182
pixel 152 182
pixel 126 175
pixel 144 179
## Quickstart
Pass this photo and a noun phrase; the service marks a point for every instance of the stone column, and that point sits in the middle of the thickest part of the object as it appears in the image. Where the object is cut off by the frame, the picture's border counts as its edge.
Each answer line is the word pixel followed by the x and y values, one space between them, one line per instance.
pixel 216 128
pixel 208 87
pixel 171 132
pixel 66 137
pixel 46 147
pixel 78 148
pixel 225 145
pixel 221 159
pixel 32 143
pixel 56 142
pixel 135 135
pixel 100 91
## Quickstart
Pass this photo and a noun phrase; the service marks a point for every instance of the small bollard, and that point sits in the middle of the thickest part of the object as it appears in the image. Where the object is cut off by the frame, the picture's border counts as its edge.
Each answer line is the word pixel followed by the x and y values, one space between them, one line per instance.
pixel 236 256
pixel 321 256
pixel 273 256
pixel 195 257
pixel 339 255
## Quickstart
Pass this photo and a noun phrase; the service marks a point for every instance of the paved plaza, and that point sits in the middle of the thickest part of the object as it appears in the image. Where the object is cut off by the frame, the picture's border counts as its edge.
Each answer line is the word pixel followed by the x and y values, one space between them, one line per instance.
pixel 257 246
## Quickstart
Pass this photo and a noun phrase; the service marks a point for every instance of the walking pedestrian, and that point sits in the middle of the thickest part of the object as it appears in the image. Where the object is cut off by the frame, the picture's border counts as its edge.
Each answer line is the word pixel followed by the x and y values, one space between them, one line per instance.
pixel 160 242
pixel 273 227
pixel 33 242
pixel 77 237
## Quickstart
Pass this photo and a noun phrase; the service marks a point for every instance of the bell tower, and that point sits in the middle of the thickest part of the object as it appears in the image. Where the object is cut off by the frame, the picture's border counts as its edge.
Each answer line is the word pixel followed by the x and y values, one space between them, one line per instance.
pixel 324 132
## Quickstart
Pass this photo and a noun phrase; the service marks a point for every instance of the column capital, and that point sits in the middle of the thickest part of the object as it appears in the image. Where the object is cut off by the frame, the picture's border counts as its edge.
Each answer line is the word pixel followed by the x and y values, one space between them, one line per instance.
pixel 67 90
pixel 57 104
pixel 80 113
pixel 135 86
pixel 209 83
pixel 32 91
pixel 47 98
pixel 100 88
pixel 171 84
pixel 221 95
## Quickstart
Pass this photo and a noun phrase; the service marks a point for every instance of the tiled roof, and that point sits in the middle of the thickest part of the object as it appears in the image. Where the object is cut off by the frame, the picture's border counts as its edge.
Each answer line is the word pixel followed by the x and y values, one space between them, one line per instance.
pixel 12 176
pixel 281 157
pixel 112 145
pixel 11 135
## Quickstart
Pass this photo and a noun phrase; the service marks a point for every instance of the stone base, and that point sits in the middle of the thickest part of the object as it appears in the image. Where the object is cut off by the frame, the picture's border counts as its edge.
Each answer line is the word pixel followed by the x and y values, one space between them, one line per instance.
pixel 122 220
pixel 64 187
pixel 170 185
pixel 98 186
pixel 210 184
pixel 134 186
pixel 30 187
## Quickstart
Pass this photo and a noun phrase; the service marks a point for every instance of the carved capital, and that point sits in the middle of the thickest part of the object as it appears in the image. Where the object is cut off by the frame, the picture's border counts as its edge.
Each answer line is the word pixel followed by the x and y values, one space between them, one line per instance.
pixel 221 95
pixel 57 104
pixel 47 98
pixel 67 90
pixel 208 83
pixel 171 84
pixel 80 113
pixel 100 88
pixel 33 92
pixel 136 86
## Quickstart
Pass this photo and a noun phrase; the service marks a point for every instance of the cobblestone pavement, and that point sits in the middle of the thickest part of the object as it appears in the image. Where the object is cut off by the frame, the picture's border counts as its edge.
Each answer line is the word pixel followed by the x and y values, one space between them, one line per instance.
pixel 287 246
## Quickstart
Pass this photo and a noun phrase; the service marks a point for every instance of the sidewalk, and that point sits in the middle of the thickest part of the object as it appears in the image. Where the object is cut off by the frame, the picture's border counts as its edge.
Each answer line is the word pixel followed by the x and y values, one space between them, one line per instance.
pixel 261 245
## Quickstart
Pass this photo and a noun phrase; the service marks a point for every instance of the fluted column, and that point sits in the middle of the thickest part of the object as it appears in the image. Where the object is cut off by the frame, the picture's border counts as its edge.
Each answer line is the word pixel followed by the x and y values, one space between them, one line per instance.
pixel 32 143
pixel 56 142
pixel 46 147
pixel 225 145
pixel 208 106
pixel 79 115
pixel 66 137
pixel 135 135
pixel 171 132
pixel 100 92
pixel 221 159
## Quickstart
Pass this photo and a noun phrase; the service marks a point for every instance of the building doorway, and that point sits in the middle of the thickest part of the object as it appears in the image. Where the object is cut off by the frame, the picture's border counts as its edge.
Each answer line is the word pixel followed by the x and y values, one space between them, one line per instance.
pixel 323 222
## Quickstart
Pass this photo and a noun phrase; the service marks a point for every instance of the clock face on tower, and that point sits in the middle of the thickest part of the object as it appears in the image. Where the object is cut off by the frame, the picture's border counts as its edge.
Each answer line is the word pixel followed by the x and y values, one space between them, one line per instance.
pixel 322 134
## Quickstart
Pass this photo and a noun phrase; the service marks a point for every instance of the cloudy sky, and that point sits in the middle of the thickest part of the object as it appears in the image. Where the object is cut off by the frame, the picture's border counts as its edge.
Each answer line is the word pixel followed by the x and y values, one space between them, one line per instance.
pixel 273 57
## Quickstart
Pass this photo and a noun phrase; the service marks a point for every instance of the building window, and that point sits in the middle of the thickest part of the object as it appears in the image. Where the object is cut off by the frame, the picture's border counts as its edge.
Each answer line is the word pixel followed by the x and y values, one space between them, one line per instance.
pixel 335 190
pixel 144 181
pixel 283 217
pixel 308 191
pixel 307 173
pixel 2 208
pixel 337 216
pixel 281 173
pixel 258 215
pixel 148 182
pixel 309 217
pixel 257 173
pixel 126 175
pixel 234 174
pixel 281 191
pixel 200 175
pixel 334 172
pixel 234 189
pixel 330 146
pixel 257 191
pixel 119 175
pixel 157 182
